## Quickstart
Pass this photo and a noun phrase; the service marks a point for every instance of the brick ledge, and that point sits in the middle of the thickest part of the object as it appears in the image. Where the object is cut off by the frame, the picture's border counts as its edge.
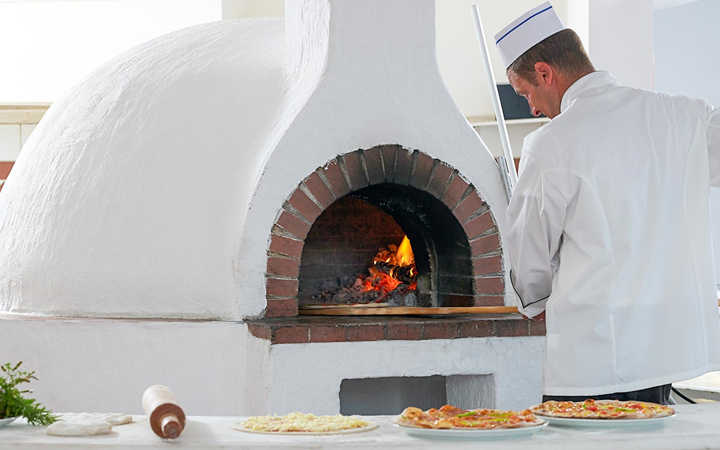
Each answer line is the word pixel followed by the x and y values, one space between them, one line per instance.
pixel 305 329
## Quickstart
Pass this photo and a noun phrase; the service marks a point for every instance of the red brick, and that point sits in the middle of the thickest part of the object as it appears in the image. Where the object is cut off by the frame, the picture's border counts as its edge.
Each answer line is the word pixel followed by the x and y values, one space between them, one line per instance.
pixel 468 206
pixel 479 225
pixel 373 160
pixel 487 264
pixel 439 179
pixel 318 189
pixel 293 224
pixel 291 334
pixel 389 154
pixel 440 330
pixel 286 246
pixel 476 328
pixel 283 266
pixel 302 203
pixel 277 287
pixel 403 166
pixel 404 331
pixel 454 192
pixel 492 285
pixel 336 179
pixel 537 327
pixel 281 307
pixel 355 171
pixel 423 167
pixel 485 244
pixel 365 333
pixel 511 327
pixel 260 331
pixel 326 333
pixel 5 168
pixel 489 300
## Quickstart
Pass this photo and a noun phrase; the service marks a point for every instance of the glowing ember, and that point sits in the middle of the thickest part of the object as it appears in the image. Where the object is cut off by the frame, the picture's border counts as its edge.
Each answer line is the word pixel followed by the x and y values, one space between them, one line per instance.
pixel 391 279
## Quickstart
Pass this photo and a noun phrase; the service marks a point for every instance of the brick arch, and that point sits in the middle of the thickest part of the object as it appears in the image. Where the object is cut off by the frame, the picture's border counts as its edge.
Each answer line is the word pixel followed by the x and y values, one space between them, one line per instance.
pixel 381 164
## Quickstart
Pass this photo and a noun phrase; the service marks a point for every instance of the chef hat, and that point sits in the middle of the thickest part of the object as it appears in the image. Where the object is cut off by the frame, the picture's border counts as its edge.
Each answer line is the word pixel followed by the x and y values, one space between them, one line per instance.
pixel 526 31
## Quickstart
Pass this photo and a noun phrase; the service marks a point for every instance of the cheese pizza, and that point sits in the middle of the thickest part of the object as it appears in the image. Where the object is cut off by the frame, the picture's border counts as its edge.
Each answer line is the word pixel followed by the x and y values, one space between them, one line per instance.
pixel 450 417
pixel 602 409
pixel 302 423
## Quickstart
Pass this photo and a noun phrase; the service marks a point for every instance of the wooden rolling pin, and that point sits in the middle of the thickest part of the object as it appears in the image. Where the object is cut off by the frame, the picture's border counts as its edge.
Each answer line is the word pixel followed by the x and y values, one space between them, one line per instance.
pixel 167 419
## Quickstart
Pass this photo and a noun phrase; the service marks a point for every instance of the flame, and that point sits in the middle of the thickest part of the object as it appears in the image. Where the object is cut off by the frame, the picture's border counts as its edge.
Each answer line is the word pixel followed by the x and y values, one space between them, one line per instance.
pixel 404 253
pixel 400 256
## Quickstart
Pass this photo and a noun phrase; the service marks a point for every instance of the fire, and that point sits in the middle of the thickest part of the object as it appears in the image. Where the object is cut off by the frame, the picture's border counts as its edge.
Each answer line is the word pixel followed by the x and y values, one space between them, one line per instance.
pixel 404 253
pixel 392 267
pixel 392 279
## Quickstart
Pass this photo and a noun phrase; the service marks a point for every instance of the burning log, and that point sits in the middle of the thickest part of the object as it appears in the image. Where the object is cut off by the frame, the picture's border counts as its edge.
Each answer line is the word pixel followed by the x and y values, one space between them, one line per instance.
pixel 406 274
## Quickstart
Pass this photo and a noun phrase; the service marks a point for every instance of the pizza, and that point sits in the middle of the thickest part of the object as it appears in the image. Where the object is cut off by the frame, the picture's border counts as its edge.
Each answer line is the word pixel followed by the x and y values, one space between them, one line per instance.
pixel 451 417
pixel 602 409
pixel 301 423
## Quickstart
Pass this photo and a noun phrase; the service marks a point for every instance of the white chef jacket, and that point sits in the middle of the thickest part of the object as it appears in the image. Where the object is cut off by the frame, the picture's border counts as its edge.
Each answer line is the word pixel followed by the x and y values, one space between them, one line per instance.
pixel 609 232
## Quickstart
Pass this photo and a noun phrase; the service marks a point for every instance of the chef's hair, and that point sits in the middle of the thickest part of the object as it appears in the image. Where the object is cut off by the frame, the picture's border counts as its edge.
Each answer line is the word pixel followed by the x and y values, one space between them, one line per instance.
pixel 562 50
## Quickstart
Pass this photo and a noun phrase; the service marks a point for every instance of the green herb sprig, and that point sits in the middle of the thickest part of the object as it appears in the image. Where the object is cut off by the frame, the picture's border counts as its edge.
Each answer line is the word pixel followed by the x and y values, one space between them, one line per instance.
pixel 12 400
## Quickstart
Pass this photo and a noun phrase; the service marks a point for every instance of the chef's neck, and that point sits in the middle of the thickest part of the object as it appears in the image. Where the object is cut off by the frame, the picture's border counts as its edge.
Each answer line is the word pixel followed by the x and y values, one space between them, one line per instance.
pixel 564 81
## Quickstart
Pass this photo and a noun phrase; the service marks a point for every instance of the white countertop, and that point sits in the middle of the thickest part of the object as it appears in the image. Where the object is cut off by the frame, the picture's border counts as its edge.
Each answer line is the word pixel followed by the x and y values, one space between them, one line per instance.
pixel 695 426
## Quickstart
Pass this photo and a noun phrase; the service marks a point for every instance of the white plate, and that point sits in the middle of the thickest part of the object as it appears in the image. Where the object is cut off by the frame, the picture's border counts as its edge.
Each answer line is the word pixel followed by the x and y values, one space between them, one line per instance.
pixel 471 434
pixel 605 423
pixel 7 421
pixel 369 427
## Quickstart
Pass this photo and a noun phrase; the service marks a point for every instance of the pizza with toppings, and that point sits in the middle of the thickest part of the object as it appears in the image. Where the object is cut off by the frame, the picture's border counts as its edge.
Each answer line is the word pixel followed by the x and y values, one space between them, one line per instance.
pixel 450 417
pixel 602 409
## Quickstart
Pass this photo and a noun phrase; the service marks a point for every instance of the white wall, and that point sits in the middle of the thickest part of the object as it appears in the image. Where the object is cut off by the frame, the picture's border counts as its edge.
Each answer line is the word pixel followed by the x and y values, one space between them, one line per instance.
pixel 621 40
pixel 686 50
pixel 10 141
pixel 234 9
pixel 47 47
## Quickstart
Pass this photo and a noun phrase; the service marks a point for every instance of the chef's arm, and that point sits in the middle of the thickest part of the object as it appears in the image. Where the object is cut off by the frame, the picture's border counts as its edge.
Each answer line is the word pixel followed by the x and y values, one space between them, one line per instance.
pixel 713 137
pixel 535 218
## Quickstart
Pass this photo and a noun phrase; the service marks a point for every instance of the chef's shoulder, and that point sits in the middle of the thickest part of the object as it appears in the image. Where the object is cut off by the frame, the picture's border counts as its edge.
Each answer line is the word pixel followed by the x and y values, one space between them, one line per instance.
pixel 676 105
pixel 542 147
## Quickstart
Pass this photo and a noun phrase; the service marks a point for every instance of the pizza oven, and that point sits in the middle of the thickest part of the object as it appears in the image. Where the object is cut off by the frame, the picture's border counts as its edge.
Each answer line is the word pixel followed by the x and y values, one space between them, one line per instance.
pixel 386 227
pixel 330 169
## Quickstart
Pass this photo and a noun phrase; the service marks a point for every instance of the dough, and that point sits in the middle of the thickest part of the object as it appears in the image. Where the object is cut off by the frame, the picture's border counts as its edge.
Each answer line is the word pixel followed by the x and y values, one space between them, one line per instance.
pixel 111 418
pixel 118 419
pixel 87 424
pixel 79 427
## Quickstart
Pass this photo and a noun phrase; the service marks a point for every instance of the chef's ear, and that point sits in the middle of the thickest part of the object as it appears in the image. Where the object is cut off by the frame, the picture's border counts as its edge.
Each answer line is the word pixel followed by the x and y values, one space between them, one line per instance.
pixel 544 73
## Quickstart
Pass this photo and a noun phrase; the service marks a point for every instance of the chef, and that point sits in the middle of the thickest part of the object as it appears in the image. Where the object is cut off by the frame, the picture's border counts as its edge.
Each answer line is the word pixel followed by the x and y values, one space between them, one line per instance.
pixel 608 228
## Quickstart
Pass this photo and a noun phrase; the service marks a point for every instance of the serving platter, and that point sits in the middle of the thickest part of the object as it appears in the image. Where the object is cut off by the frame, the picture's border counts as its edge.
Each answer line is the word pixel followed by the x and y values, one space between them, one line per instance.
pixel 470 433
pixel 369 427
pixel 605 423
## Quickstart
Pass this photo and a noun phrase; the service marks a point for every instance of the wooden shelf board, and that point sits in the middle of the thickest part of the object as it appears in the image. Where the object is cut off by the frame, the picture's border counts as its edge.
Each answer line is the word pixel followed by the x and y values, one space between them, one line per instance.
pixel 363 310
